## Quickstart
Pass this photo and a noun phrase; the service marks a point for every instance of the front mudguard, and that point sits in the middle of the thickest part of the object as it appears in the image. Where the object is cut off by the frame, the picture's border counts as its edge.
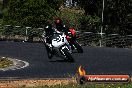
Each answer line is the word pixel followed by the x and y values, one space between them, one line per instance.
pixel 67 54
pixel 67 46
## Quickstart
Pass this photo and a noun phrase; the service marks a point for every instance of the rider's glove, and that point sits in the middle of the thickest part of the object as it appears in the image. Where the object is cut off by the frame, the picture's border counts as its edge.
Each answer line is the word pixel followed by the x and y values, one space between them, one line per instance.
pixel 68 37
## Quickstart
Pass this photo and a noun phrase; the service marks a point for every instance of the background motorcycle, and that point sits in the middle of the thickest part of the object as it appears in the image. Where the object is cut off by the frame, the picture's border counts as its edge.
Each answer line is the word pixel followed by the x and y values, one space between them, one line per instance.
pixel 72 39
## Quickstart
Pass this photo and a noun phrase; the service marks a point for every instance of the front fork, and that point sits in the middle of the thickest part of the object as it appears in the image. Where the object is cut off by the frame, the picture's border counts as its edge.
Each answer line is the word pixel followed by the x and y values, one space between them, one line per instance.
pixel 72 43
pixel 67 46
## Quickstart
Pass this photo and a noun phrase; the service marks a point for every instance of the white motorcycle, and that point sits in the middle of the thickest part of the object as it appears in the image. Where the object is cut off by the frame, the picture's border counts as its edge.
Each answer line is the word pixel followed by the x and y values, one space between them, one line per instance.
pixel 61 47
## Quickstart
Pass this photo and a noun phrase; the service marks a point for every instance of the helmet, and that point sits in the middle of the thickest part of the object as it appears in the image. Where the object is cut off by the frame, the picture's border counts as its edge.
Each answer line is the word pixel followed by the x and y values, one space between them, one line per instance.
pixel 59 24
pixel 58 21
pixel 48 24
pixel 48 27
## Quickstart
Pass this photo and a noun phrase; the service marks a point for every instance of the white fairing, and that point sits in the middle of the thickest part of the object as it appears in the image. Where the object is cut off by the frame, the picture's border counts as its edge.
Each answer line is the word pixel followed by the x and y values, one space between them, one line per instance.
pixel 61 40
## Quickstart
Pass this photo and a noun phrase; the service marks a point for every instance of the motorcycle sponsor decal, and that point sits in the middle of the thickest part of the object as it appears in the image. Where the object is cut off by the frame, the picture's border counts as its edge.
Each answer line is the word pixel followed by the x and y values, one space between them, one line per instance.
pixel 59 38
pixel 63 39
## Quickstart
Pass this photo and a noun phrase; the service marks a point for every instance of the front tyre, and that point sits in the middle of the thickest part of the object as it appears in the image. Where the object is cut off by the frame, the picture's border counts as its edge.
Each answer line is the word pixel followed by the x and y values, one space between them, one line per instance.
pixel 49 52
pixel 78 47
pixel 67 54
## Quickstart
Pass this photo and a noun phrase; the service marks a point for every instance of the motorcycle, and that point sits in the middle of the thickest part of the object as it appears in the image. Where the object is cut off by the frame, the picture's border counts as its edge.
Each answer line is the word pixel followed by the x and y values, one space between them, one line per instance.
pixel 72 39
pixel 60 46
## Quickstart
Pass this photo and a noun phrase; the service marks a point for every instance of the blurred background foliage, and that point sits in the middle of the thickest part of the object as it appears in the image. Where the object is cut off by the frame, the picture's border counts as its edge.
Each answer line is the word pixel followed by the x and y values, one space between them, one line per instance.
pixel 86 16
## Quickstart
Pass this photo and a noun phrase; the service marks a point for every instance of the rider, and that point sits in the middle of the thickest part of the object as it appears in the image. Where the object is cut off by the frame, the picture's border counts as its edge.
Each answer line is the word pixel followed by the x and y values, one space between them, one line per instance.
pixel 48 39
pixel 60 27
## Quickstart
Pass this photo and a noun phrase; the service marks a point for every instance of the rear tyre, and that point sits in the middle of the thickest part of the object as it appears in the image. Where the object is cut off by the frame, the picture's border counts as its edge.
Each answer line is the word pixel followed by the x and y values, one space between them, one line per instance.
pixel 68 56
pixel 79 48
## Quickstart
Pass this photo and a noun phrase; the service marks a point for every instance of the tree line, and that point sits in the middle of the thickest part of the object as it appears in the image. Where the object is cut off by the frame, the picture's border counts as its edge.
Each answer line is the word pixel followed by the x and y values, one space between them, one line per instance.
pixel 34 13
pixel 117 14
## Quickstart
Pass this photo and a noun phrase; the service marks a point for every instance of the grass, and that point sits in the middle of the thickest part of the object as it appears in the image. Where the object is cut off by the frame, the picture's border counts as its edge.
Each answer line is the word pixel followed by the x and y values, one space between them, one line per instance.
pixel 87 86
pixel 5 62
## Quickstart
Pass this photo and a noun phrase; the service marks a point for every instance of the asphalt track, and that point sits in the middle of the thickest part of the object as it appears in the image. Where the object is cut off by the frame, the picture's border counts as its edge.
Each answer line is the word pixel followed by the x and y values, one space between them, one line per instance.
pixel 94 60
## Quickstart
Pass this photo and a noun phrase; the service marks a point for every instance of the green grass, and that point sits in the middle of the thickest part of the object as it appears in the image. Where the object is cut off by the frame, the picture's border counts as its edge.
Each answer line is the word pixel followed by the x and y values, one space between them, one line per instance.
pixel 87 86
pixel 5 62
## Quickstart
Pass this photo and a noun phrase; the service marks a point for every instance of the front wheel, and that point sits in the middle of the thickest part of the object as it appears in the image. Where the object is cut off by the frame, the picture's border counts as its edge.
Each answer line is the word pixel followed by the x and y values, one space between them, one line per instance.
pixel 49 52
pixel 78 47
pixel 67 55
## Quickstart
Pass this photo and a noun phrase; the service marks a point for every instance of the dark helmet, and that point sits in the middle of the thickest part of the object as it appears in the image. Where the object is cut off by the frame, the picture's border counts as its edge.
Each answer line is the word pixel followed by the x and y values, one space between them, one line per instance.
pixel 48 25
pixel 49 29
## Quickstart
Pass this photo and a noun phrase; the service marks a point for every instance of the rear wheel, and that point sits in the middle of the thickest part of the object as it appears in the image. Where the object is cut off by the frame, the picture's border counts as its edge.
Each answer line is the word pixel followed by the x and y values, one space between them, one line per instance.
pixel 68 56
pixel 78 47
